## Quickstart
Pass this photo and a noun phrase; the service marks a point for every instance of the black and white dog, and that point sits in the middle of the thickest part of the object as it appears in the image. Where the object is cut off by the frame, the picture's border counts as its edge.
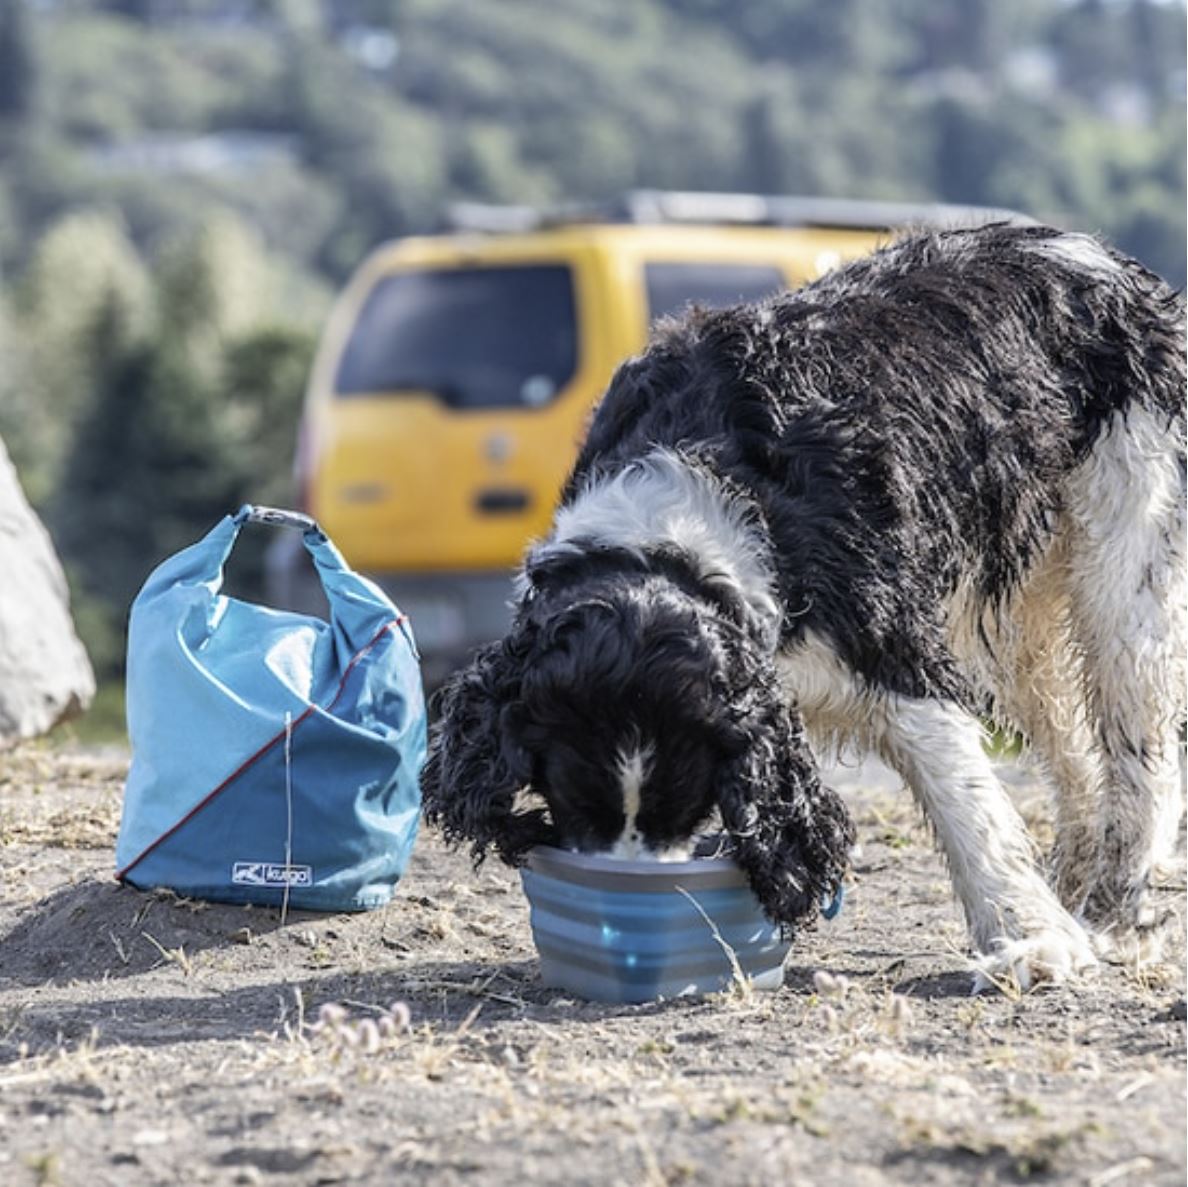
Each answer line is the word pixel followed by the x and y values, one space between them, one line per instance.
pixel 941 485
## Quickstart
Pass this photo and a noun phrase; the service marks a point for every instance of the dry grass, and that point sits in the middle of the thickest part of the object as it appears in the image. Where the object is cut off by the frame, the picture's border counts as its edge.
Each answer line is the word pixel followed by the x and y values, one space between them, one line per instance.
pixel 171 1040
pixel 66 801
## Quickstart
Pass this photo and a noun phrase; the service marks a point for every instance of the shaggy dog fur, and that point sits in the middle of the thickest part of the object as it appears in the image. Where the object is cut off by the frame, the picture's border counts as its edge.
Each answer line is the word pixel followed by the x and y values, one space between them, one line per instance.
pixel 940 485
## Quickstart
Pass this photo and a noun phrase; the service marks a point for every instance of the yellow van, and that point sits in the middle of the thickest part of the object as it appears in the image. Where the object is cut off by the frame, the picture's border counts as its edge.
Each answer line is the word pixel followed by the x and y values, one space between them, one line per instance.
pixel 457 372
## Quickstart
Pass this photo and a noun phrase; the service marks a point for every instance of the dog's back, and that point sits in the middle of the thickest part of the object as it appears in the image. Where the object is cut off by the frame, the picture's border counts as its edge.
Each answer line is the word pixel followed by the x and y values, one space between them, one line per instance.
pixel 914 417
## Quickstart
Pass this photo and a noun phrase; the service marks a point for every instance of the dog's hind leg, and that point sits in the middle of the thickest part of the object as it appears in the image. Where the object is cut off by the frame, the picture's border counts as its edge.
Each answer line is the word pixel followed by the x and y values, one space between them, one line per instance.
pixel 1037 674
pixel 1015 920
pixel 1127 583
pixel 1055 720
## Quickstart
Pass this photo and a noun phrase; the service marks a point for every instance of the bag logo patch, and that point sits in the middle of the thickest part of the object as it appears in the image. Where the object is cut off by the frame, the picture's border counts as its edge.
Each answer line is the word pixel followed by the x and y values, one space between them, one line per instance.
pixel 271 873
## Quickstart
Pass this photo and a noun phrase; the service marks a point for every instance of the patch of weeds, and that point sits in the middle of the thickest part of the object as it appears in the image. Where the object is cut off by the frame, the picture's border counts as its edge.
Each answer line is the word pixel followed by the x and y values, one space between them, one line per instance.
pixel 319 957
pixel 1151 977
pixel 802 1112
pixel 91 827
pixel 657 1049
pixel 123 953
pixel 892 829
pixel 365 1038
pixel 1025 1156
pixel 1005 982
pixel 1017 1105
pixel 46 1168
pixel 796 1108
pixel 740 988
pixel 176 956
pixel 193 905
pixel 1004 1056
pixel 1040 1154
pixel 340 1032
pixel 896 1016
pixel 10 1021
pixel 735 1108
pixel 438 928
pixel 1002 744
pixel 971 1013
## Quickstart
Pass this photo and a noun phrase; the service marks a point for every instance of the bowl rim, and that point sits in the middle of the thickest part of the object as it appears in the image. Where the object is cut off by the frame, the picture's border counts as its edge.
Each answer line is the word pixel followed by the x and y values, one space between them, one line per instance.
pixel 601 872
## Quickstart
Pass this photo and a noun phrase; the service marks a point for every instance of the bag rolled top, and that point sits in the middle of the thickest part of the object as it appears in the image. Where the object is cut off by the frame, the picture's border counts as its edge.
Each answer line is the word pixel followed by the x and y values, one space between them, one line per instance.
pixel 275 756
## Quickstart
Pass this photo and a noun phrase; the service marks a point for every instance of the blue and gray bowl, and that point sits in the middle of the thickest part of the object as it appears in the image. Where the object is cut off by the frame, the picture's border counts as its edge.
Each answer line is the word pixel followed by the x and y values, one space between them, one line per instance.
pixel 632 931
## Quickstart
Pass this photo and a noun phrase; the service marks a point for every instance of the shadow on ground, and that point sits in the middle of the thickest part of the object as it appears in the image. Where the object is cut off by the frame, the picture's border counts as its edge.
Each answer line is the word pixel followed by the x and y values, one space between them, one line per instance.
pixel 191 1009
pixel 99 929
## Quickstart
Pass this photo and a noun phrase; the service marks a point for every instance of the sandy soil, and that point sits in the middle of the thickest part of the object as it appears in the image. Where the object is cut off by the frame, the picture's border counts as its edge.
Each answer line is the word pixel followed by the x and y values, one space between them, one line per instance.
pixel 146 1040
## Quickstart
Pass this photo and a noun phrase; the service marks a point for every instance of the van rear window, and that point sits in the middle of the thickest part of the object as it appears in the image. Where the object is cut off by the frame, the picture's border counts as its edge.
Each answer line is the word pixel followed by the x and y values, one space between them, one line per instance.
pixel 673 287
pixel 503 337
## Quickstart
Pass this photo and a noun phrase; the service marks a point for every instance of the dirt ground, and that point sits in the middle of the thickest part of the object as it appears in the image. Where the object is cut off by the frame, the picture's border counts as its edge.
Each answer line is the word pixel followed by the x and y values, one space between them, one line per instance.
pixel 150 1040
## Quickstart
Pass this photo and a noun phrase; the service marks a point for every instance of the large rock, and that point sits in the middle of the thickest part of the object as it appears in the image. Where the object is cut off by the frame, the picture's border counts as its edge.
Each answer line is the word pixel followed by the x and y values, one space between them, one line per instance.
pixel 45 675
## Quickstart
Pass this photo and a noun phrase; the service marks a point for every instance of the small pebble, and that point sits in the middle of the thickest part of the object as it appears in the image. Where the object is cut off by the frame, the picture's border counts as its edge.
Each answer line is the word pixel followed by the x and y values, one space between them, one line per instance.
pixel 150 1137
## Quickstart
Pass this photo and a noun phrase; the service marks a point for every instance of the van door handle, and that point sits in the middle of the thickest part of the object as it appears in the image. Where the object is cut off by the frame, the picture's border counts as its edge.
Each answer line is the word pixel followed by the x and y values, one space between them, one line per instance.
pixel 502 501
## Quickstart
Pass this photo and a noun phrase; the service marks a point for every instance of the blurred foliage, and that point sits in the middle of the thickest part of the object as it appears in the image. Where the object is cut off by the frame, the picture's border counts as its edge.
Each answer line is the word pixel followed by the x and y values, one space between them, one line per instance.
pixel 18 69
pixel 381 111
pixel 183 184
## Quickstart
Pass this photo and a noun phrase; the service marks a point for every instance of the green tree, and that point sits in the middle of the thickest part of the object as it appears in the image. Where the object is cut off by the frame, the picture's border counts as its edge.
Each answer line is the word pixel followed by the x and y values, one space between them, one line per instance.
pixel 84 293
pixel 213 285
pixel 18 65
pixel 263 383
pixel 153 466
pixel 134 10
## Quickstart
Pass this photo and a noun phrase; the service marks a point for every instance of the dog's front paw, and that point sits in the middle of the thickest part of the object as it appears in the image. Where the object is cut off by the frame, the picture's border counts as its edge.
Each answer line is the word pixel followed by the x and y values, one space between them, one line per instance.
pixel 1052 956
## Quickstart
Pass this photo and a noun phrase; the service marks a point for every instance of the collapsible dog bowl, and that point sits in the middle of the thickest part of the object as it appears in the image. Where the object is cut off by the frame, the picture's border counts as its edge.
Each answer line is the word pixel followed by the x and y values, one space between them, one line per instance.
pixel 632 931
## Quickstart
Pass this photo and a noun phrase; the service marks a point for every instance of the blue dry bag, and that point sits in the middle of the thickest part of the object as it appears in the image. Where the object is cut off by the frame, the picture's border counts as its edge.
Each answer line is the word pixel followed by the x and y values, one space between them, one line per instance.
pixel 274 756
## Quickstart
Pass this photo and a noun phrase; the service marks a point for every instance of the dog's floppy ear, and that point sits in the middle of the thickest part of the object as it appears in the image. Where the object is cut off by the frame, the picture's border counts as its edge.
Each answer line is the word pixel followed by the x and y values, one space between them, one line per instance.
pixel 475 766
pixel 792 835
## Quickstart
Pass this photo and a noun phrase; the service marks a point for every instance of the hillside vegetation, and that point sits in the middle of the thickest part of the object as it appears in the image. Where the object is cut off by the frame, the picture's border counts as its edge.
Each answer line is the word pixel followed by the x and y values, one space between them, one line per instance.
pixel 184 183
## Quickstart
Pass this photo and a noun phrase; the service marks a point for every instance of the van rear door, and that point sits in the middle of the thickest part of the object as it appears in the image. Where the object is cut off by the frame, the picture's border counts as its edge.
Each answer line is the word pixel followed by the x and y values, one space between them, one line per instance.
pixel 445 434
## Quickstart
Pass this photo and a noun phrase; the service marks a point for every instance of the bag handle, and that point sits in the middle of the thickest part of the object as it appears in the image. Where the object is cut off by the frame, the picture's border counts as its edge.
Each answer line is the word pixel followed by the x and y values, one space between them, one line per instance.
pixel 352 598
pixel 276 517
pixel 356 604
pixel 326 557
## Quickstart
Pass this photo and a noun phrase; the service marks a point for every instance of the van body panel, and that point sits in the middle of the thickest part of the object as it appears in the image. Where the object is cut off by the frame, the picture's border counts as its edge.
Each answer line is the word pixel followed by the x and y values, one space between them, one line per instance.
pixel 405 482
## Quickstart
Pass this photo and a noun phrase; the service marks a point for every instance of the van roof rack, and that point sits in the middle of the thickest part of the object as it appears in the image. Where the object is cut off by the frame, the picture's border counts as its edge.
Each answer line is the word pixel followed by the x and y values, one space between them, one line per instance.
pixel 725 209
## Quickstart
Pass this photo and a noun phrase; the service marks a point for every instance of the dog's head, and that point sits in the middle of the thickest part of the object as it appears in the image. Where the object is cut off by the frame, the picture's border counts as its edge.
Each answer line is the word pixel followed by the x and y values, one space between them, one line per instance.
pixel 618 724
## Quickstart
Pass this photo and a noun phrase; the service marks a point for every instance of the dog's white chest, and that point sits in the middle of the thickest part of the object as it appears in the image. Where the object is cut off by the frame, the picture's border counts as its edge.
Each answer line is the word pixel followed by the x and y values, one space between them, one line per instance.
pixel 835 707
